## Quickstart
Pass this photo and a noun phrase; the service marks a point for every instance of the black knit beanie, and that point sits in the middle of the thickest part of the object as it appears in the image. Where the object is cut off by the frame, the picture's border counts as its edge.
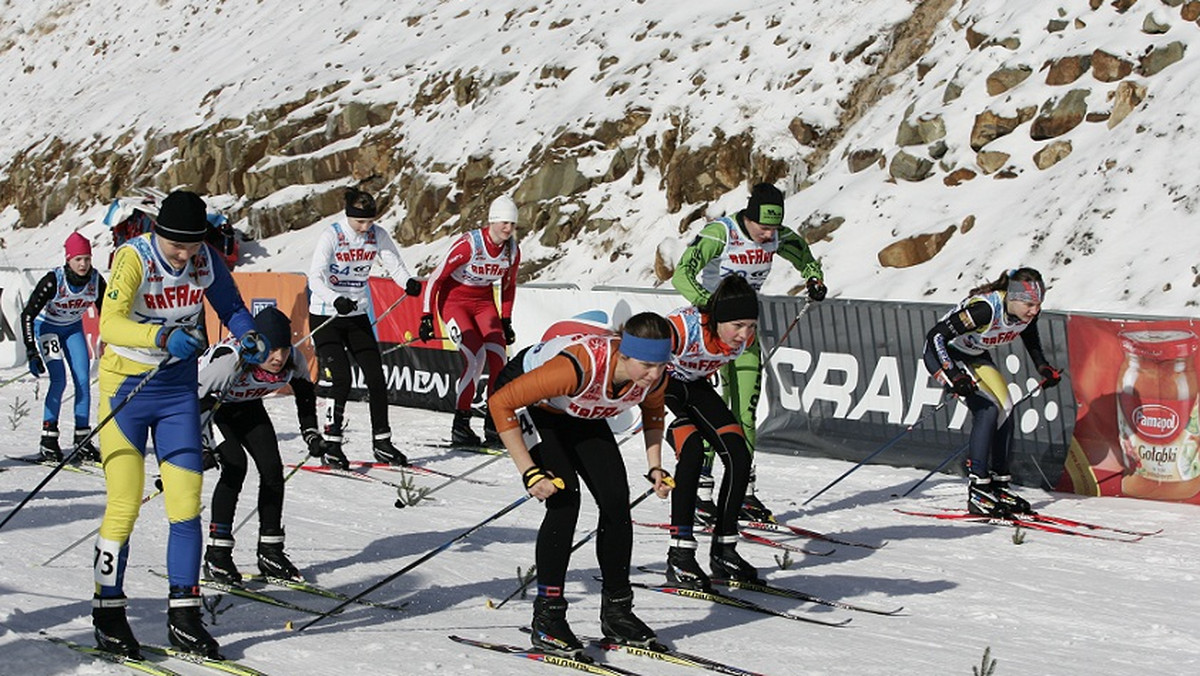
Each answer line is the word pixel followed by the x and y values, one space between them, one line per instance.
pixel 182 218
pixel 275 326
pixel 765 206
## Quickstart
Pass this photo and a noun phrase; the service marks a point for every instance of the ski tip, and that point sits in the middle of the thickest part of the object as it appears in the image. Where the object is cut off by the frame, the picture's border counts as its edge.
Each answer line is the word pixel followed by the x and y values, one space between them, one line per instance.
pixel 288 626
pixel 490 604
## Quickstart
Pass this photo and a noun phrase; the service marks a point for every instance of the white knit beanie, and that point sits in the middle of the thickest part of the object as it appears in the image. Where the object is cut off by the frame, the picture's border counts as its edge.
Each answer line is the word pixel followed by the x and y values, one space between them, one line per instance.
pixel 503 209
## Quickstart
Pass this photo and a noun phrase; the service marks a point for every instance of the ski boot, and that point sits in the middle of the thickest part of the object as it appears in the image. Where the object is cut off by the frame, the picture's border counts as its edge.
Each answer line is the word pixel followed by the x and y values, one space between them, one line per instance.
pixel 87 451
pixel 111 627
pixel 1004 495
pixel 754 511
pixel 387 453
pixel 272 561
pixel 982 501
pixel 48 450
pixel 550 632
pixel 218 561
pixel 491 438
pixel 619 624
pixel 185 628
pixel 334 457
pixel 684 571
pixel 461 433
pixel 727 564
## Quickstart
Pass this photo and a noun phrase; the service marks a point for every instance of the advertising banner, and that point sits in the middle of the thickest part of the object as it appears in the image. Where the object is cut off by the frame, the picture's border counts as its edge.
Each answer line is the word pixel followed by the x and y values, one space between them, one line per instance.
pixel 15 287
pixel 847 378
pixel 1137 429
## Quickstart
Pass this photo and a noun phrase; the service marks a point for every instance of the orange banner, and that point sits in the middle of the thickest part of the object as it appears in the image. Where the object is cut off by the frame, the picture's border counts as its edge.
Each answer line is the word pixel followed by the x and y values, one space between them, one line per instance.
pixel 286 291
pixel 1137 428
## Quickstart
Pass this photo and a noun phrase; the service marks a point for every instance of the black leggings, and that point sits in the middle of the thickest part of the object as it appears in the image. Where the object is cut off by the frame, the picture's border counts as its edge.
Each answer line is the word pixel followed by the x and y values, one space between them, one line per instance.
pixel 247 428
pixel 335 343
pixel 702 416
pixel 573 449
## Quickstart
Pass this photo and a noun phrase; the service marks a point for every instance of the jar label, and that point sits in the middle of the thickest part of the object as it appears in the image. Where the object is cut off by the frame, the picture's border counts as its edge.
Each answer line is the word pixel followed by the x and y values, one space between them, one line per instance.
pixel 1161 438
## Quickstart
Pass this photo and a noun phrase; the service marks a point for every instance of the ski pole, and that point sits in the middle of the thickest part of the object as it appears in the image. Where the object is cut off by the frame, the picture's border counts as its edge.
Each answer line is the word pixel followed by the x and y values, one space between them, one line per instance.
pixel 478 467
pixel 428 555
pixel 881 449
pixel 158 489
pixel 67 457
pixel 308 336
pixel 961 449
pixel 14 379
pixel 397 346
pixel 783 336
pixel 582 541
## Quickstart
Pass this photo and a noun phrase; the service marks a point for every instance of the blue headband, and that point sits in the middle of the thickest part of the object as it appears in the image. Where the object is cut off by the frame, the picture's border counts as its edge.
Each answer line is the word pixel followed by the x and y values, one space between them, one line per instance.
pixel 653 350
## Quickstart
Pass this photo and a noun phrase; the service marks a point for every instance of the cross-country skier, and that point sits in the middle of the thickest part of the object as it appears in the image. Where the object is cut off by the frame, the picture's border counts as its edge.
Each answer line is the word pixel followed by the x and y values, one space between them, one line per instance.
pixel 337 283
pixel 570 385
pixel 155 298
pixel 744 244
pixel 233 391
pixel 461 289
pixel 956 353
pixel 52 327
pixel 702 341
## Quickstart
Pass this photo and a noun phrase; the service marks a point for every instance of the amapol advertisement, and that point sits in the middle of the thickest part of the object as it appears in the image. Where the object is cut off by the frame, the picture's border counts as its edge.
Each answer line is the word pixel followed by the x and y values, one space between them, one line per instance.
pixel 1137 429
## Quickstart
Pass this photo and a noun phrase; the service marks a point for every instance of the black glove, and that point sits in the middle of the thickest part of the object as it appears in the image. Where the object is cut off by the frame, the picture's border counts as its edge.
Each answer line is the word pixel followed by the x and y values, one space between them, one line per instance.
pixel 1050 376
pixel 344 305
pixel 816 289
pixel 211 461
pixel 962 384
pixel 36 366
pixel 510 336
pixel 312 439
pixel 412 287
pixel 425 331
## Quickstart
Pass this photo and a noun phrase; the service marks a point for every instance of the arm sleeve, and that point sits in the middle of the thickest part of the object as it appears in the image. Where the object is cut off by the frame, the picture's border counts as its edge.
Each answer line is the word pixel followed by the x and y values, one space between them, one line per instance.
pixel 560 376
pixel 226 300
pixel 707 245
pixel 101 287
pixel 964 321
pixel 508 284
pixel 316 269
pixel 795 250
pixel 116 328
pixel 389 258
pixel 46 287
pixel 1033 344
pixel 459 253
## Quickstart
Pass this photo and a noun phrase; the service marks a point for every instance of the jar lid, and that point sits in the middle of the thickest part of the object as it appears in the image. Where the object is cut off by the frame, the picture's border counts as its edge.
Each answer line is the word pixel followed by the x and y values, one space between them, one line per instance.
pixel 1160 344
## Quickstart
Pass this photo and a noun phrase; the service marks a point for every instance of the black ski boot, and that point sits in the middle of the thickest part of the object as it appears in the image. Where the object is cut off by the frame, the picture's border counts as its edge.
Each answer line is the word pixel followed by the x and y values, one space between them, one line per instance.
pixel 461 433
pixel 684 571
pixel 982 501
pixel 1004 495
pixel 334 457
pixel 727 564
pixel 87 450
pixel 550 632
pixel 386 452
pixel 185 628
pixel 619 624
pixel 48 450
pixel 491 438
pixel 218 561
pixel 272 561
pixel 111 627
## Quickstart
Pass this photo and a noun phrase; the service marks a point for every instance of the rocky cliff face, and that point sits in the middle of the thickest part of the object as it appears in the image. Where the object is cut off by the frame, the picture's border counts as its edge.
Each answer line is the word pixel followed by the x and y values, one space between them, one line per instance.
pixel 285 163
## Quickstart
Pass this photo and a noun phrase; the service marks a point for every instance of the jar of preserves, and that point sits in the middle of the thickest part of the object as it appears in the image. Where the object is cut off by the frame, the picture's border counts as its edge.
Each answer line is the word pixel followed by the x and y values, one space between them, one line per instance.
pixel 1157 416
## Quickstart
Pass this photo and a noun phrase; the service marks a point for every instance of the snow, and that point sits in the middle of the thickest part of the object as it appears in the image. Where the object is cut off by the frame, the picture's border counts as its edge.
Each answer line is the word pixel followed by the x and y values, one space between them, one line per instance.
pixel 1054 605
pixel 1120 207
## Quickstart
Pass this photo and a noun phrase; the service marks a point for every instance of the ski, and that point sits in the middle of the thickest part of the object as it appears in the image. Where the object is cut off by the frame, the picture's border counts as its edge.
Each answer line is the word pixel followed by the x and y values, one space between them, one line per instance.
pixel 250 595
pixel 317 590
pixel 736 603
pixel 787 593
pixel 1017 522
pixel 804 532
pixel 483 450
pixel 419 469
pixel 664 653
pixel 226 666
pixel 581 663
pixel 70 467
pixel 1072 523
pixel 751 537
pixel 141 665
pixel 347 474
